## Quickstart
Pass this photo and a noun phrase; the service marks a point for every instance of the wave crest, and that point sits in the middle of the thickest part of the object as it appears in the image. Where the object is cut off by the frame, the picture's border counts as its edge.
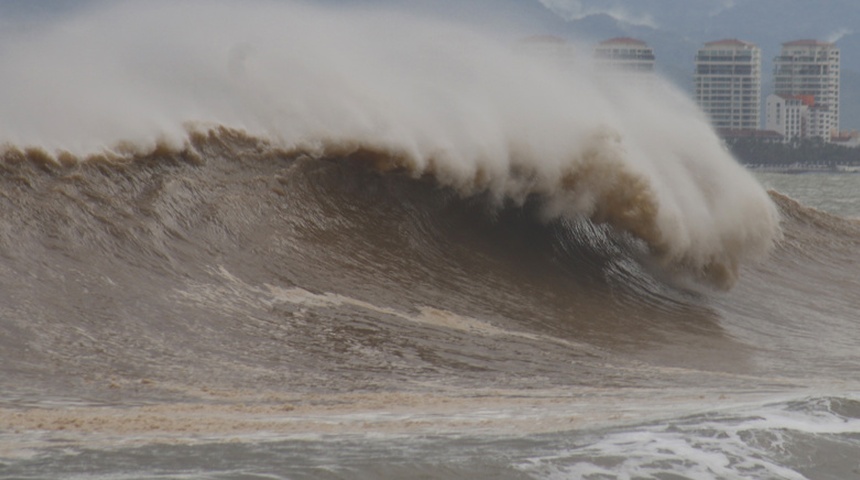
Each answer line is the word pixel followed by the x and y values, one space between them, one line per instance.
pixel 442 101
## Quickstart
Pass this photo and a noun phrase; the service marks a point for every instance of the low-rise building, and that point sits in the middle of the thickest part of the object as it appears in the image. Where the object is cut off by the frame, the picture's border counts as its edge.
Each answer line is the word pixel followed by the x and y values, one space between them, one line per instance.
pixel 799 117
pixel 784 115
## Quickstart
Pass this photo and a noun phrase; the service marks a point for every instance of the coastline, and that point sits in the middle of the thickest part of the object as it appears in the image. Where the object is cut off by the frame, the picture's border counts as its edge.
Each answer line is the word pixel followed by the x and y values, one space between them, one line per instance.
pixel 798 168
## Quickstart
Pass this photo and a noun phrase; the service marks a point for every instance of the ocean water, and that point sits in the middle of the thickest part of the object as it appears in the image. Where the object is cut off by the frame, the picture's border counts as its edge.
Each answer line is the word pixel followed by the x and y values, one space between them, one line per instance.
pixel 277 244
pixel 834 193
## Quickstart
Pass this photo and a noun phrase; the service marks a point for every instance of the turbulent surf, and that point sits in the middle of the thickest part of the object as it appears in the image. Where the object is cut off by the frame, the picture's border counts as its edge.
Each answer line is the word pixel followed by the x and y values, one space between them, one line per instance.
pixel 284 228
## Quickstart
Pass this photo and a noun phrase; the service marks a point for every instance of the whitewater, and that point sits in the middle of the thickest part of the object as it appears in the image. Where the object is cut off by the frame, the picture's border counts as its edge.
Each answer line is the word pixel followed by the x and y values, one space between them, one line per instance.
pixel 284 240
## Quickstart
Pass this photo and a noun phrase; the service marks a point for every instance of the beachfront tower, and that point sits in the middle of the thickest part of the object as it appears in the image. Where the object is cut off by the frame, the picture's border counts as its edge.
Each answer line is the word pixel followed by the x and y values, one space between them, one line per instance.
pixel 810 68
pixel 728 84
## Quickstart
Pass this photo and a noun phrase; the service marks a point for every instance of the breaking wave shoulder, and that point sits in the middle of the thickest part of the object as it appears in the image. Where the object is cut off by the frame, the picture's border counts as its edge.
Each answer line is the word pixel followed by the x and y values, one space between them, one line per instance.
pixel 706 243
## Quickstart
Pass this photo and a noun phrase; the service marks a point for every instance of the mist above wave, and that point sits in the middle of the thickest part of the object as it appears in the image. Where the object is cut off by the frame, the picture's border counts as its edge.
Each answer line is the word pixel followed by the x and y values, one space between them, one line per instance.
pixel 409 93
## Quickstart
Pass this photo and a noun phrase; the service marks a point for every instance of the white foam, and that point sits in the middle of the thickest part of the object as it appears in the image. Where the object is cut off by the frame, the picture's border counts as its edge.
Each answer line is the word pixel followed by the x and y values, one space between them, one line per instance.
pixel 235 295
pixel 752 441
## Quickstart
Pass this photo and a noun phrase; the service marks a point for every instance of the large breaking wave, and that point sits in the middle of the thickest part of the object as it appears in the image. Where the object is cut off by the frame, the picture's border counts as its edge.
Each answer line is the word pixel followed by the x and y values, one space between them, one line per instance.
pixel 269 232
pixel 397 93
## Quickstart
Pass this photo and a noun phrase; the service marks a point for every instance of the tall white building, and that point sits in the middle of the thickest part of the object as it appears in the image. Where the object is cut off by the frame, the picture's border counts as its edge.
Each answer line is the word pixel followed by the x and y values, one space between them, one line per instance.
pixel 810 68
pixel 728 84
pixel 624 55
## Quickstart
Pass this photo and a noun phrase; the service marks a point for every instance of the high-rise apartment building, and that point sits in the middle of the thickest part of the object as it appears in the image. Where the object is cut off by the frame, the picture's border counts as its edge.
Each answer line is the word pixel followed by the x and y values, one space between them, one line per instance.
pixel 728 84
pixel 624 55
pixel 810 68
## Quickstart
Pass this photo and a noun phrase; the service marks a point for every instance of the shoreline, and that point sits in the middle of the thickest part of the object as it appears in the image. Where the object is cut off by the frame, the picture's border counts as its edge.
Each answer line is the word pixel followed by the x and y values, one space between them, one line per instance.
pixel 798 168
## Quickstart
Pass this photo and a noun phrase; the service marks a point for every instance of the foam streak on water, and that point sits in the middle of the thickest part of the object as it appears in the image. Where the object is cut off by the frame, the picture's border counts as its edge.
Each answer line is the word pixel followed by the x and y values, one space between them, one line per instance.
pixel 809 437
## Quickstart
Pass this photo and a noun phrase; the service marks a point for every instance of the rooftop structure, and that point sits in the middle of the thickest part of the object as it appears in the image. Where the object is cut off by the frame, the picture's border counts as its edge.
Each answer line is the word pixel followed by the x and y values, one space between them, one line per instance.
pixel 625 54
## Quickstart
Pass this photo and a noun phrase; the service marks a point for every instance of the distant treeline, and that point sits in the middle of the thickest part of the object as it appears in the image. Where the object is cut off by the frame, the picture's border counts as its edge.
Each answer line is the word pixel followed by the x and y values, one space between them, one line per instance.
pixel 757 151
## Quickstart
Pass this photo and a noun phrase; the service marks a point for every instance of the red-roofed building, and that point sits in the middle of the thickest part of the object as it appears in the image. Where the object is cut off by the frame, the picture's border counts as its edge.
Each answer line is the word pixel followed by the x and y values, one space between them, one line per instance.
pixel 728 84
pixel 810 68
pixel 798 117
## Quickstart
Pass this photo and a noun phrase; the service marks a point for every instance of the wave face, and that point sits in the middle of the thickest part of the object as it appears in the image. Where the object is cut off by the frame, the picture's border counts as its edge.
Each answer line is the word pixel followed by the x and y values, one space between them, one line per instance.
pixel 404 93
pixel 220 245
pixel 230 241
